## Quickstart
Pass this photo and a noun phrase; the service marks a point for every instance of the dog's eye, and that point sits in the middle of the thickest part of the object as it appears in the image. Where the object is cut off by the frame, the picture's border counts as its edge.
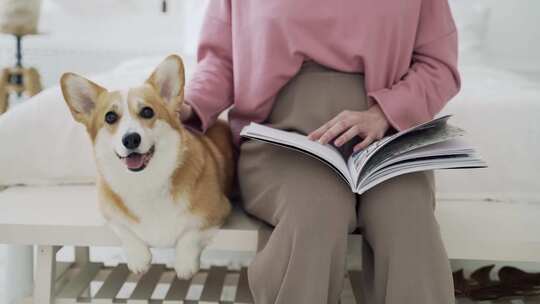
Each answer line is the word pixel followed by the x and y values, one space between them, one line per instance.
pixel 147 113
pixel 111 117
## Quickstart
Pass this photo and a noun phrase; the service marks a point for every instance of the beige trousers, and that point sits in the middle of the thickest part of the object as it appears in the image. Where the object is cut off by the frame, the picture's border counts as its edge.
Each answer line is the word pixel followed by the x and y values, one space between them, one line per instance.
pixel 312 211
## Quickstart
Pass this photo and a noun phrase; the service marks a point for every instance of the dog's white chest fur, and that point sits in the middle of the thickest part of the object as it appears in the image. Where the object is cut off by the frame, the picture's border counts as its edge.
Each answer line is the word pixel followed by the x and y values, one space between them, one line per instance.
pixel 161 220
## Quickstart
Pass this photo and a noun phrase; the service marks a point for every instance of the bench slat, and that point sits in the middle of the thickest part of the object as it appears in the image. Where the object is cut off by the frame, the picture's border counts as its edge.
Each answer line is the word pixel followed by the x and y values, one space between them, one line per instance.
pixel 214 284
pixel 357 285
pixel 177 291
pixel 112 285
pixel 146 285
pixel 81 282
pixel 243 294
pixel 347 294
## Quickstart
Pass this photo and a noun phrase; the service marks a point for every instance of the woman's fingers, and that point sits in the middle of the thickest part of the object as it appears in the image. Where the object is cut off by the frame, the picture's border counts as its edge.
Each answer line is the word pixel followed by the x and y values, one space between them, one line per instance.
pixel 348 135
pixel 344 116
pixel 363 144
pixel 316 135
pixel 338 128
pixel 349 124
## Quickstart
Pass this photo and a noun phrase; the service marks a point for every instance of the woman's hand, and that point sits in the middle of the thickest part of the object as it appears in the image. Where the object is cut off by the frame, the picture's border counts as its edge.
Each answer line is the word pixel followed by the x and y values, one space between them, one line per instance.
pixel 185 112
pixel 370 125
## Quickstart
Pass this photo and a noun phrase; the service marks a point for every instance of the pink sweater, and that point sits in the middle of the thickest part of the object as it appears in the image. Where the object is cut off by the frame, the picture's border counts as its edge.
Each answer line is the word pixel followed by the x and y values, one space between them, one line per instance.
pixel 249 49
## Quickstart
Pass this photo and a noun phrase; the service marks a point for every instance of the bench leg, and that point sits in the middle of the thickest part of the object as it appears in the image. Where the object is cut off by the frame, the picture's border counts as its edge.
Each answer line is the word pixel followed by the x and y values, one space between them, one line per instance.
pixel 45 274
pixel 19 270
pixel 82 256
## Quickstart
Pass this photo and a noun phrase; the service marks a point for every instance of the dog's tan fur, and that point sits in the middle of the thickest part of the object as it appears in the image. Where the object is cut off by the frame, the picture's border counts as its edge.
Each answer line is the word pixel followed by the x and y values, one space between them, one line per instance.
pixel 109 197
pixel 207 161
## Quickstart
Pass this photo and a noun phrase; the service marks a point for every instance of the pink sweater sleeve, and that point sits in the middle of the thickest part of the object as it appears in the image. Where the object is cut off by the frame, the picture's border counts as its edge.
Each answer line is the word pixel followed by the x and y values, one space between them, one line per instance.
pixel 432 79
pixel 210 90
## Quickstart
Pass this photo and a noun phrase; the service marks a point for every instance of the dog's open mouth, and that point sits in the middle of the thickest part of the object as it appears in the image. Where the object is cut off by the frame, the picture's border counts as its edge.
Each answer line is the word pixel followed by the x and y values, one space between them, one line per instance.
pixel 137 161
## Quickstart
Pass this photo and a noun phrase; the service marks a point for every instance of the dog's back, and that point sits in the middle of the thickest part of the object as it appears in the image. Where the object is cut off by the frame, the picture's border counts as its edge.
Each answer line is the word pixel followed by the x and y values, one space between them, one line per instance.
pixel 220 136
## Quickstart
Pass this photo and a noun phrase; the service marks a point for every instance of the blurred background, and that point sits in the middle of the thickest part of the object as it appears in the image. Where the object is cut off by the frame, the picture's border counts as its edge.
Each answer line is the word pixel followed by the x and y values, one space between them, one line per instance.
pixel 119 42
pixel 96 36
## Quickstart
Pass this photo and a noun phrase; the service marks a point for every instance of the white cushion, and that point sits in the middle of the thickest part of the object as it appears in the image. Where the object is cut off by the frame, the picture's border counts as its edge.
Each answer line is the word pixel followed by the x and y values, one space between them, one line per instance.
pixel 75 206
pixel 499 110
pixel 42 144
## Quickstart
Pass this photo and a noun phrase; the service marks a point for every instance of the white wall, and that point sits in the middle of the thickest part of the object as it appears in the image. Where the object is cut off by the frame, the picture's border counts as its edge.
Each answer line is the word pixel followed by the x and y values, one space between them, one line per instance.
pixel 513 34
pixel 80 36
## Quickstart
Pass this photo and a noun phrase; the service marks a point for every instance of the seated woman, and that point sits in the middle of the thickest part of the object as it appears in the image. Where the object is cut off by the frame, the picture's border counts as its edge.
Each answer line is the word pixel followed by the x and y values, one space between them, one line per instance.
pixel 344 72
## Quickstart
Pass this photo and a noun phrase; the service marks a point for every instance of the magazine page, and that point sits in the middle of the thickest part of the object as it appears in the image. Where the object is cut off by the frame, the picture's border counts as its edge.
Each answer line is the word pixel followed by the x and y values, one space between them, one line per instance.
pixel 454 146
pixel 357 161
pixel 325 153
pixel 451 147
pixel 429 163
pixel 409 142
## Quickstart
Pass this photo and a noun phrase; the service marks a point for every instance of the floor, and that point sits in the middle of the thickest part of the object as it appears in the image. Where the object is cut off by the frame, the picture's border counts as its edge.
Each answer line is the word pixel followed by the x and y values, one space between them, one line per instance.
pixel 213 285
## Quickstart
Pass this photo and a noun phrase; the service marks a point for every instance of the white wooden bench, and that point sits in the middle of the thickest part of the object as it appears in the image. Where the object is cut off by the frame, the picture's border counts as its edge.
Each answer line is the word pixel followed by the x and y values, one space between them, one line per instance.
pixel 52 217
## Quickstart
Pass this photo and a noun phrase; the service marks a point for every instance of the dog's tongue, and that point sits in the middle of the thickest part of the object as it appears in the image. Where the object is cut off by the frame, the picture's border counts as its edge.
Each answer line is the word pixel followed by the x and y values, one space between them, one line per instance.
pixel 134 161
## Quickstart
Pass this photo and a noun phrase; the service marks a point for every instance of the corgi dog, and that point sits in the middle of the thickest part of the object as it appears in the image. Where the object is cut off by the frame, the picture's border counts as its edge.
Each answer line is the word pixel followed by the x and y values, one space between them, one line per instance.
pixel 159 184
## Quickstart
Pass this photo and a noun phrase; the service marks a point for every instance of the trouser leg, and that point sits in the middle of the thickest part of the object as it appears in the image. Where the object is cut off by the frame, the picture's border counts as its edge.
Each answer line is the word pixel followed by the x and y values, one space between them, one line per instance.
pixel 312 212
pixel 404 259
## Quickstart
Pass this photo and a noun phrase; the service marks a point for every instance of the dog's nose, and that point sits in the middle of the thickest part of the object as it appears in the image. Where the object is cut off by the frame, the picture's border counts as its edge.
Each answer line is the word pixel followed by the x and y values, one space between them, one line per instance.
pixel 131 140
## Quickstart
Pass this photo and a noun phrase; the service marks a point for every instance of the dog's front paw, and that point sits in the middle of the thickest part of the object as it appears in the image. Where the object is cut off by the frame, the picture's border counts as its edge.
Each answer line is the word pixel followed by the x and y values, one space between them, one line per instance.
pixel 186 265
pixel 138 258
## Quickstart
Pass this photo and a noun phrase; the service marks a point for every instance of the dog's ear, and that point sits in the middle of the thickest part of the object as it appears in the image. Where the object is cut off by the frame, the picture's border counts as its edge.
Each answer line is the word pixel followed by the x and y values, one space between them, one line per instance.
pixel 81 95
pixel 168 80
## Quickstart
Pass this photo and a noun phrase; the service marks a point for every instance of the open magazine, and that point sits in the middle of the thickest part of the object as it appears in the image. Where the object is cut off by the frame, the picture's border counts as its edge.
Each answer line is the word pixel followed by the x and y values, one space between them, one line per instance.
pixel 429 146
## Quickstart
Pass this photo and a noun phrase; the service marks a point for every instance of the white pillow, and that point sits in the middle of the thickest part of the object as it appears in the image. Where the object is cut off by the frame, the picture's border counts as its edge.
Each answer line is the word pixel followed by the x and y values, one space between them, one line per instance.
pixel 40 142
pixel 42 145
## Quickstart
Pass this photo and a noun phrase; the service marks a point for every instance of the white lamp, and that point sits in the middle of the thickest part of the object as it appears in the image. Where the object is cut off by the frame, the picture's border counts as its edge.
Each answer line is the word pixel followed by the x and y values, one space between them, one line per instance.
pixel 19 17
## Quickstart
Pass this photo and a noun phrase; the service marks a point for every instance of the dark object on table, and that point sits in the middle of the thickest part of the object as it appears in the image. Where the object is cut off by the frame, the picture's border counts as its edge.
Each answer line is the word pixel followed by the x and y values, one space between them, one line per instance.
pixel 513 282
pixel 164 6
